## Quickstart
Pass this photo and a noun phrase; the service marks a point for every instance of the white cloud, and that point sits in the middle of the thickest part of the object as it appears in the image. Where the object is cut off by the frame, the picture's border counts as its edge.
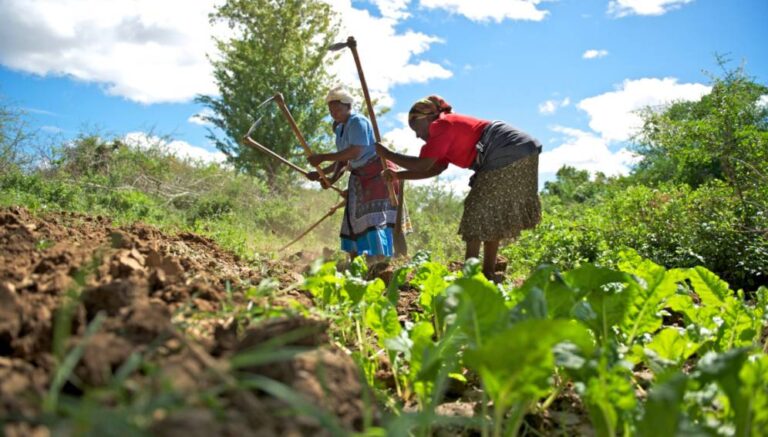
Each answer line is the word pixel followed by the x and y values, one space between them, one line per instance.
pixel 613 119
pixel 622 8
pixel 149 51
pixel 387 55
pixel 395 9
pixel 52 129
pixel 181 149
pixel 143 50
pixel 549 107
pixel 487 10
pixel 585 151
pixel 594 54
pixel 613 114
pixel 198 118
pixel 763 101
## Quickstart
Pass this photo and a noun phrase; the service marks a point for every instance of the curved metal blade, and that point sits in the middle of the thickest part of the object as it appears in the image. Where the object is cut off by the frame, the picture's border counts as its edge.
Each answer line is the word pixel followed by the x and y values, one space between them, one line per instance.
pixel 253 126
pixel 265 102
pixel 337 46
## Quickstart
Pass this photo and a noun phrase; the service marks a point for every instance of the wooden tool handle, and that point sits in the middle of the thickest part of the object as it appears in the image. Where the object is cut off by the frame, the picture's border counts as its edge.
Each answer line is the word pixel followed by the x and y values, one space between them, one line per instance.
pixel 248 141
pixel 307 151
pixel 353 46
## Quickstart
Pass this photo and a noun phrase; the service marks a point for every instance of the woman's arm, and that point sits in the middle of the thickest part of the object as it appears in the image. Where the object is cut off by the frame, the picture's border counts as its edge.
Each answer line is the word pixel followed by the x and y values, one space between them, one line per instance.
pixel 338 171
pixel 413 163
pixel 436 169
pixel 348 154
pixel 315 176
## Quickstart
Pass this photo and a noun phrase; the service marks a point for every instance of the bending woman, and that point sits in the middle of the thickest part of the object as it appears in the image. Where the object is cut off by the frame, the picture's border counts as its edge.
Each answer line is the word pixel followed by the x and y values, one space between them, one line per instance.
pixel 503 199
pixel 369 217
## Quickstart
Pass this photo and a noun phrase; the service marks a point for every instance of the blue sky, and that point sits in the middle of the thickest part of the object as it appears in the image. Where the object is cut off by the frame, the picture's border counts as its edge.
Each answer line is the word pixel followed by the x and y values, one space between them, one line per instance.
pixel 570 72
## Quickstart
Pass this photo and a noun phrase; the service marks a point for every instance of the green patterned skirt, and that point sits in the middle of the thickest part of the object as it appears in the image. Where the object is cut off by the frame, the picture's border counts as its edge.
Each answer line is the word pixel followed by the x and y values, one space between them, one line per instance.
pixel 502 202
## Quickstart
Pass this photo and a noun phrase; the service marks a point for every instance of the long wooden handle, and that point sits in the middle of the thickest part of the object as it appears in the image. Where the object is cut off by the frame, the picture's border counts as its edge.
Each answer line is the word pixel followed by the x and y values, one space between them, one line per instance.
pixel 248 141
pixel 311 228
pixel 307 151
pixel 353 46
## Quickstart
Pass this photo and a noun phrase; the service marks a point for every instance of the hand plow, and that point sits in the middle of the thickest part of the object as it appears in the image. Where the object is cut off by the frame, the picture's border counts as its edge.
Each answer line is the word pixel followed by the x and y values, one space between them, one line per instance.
pixel 250 142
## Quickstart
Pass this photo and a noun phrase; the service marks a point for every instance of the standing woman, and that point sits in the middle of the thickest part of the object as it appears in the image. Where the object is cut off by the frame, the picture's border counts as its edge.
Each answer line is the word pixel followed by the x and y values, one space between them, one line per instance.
pixel 503 199
pixel 369 217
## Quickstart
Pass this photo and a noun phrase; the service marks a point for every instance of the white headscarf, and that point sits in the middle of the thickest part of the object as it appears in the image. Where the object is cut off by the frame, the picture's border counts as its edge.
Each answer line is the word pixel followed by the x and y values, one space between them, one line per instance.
pixel 339 93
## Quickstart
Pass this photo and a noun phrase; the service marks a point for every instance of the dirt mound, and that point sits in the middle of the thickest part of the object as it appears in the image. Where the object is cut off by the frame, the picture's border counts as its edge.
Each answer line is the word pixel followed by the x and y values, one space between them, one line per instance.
pixel 70 281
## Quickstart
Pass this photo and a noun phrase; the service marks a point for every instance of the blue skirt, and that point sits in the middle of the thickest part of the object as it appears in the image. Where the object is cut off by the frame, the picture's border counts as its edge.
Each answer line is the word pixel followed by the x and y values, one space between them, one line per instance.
pixel 372 242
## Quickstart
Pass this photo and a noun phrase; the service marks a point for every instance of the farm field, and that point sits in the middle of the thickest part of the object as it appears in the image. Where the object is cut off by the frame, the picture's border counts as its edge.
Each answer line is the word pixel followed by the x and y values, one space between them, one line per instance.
pixel 127 329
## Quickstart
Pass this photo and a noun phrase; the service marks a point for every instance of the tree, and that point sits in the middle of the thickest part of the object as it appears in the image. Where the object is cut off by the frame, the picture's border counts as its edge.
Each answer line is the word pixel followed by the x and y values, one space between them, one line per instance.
pixel 279 46
pixel 15 137
pixel 574 186
pixel 722 136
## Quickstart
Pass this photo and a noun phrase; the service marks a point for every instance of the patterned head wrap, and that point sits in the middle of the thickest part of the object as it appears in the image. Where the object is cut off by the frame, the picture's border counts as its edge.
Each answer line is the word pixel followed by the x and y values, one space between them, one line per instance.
pixel 339 94
pixel 429 106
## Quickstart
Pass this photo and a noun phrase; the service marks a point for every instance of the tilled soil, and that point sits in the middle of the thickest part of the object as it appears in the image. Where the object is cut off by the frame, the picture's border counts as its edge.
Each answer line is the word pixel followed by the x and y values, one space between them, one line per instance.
pixel 64 274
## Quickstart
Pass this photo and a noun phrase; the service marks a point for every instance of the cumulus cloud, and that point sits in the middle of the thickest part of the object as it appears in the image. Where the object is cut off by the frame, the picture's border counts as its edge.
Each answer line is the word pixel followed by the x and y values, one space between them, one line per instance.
pixel 181 149
pixel 490 10
pixel 142 50
pixel 549 107
pixel 613 120
pixel 594 54
pixel 388 56
pixel 622 8
pixel 763 101
pixel 614 114
pixel 586 151
pixel 150 52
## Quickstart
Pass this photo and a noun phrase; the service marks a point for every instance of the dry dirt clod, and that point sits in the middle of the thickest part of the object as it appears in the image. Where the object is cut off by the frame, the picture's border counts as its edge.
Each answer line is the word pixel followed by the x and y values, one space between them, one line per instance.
pixel 10 320
pixel 113 296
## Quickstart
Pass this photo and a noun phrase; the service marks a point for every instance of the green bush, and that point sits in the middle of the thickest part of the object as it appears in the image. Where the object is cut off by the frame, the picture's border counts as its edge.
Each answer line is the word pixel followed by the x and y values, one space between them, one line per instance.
pixel 673 225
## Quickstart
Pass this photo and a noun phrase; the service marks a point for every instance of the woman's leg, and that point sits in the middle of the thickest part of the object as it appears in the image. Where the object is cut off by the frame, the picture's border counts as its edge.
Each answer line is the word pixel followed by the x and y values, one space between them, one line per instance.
pixel 473 249
pixel 490 249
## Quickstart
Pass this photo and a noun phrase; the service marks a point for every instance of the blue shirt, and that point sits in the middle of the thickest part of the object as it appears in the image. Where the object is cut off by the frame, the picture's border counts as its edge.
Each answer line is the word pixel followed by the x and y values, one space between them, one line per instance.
pixel 357 131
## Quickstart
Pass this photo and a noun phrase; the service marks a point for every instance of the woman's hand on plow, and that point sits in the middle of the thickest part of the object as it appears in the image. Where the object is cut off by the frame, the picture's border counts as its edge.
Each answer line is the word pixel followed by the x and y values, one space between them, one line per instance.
pixel 316 159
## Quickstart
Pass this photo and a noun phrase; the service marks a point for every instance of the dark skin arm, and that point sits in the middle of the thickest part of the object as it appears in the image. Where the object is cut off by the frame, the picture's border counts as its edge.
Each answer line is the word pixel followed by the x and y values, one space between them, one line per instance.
pixel 412 163
pixel 436 169
pixel 337 168
pixel 348 154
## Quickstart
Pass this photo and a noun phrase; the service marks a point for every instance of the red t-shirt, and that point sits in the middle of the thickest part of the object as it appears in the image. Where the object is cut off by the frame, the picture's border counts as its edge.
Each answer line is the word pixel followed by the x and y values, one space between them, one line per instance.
pixel 452 138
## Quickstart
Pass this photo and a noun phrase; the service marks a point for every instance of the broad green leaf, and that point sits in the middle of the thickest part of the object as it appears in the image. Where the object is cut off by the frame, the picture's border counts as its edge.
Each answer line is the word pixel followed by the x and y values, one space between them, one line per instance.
pixel 712 290
pixel 421 337
pixel 398 278
pixel 609 398
pixel 516 364
pixel 608 294
pixel 354 289
pixel 430 280
pixel 374 291
pixel 546 295
pixel 724 369
pixel 381 318
pixel 673 344
pixel 663 407
pixel 324 283
pixel 754 386
pixel 481 311
pixel 472 267
pixel 358 268
pixel 655 286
